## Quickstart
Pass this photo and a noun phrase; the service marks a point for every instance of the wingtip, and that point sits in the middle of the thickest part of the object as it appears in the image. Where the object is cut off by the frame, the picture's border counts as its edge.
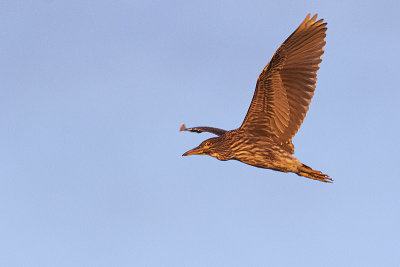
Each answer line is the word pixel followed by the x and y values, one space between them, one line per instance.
pixel 309 21
pixel 182 128
pixel 306 20
pixel 314 18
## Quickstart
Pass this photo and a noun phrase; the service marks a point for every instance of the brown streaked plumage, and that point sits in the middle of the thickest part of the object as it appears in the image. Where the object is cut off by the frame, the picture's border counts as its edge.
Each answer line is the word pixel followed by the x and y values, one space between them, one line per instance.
pixel 280 103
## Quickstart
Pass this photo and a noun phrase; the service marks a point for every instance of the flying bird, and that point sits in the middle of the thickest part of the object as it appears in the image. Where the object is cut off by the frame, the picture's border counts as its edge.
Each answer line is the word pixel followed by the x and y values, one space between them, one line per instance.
pixel 280 103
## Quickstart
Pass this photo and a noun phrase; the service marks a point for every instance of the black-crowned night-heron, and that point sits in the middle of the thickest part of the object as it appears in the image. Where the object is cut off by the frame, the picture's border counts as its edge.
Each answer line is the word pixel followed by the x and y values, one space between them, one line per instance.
pixel 283 93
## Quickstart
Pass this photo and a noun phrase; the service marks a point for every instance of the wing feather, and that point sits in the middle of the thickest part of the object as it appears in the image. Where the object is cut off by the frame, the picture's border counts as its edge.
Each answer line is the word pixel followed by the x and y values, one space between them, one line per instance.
pixel 286 85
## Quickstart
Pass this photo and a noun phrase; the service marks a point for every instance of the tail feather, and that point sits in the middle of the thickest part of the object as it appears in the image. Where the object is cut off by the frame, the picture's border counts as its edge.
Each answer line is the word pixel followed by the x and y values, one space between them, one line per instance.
pixel 306 171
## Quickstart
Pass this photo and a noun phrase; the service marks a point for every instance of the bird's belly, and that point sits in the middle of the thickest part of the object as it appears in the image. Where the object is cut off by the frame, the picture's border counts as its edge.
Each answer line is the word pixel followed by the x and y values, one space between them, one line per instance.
pixel 281 161
pixel 262 160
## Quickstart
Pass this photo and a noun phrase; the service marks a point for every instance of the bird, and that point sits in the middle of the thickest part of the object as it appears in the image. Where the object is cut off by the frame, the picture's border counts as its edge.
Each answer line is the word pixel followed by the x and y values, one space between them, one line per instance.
pixel 281 100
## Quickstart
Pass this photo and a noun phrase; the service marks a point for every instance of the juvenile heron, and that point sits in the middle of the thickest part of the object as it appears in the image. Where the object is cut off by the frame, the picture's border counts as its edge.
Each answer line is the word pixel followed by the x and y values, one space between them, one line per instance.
pixel 283 93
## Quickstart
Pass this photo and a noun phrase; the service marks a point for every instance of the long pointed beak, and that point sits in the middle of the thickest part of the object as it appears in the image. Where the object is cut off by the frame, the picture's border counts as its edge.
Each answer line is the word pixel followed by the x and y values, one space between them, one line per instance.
pixel 194 151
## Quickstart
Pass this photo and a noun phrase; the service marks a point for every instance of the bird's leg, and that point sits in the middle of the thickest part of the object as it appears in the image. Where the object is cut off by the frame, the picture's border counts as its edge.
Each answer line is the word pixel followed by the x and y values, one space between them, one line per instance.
pixel 306 171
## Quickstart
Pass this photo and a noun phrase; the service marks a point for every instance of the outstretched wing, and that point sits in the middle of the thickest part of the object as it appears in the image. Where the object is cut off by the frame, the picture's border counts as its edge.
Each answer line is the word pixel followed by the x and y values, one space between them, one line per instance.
pixel 286 85
pixel 212 130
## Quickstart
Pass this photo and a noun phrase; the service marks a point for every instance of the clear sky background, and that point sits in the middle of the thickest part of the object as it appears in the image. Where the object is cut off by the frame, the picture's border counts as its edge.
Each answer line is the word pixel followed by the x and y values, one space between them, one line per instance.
pixel 92 97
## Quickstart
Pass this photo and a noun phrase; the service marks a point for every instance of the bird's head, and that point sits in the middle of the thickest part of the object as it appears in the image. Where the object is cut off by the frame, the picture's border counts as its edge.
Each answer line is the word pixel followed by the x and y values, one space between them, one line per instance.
pixel 213 147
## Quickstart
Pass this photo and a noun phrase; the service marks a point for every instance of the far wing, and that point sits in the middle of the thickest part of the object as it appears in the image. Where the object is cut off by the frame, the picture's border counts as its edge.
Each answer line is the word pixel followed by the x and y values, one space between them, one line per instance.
pixel 212 130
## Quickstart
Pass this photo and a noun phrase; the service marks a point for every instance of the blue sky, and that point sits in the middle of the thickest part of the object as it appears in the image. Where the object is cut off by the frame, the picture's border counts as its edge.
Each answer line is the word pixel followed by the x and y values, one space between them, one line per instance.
pixel 92 97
